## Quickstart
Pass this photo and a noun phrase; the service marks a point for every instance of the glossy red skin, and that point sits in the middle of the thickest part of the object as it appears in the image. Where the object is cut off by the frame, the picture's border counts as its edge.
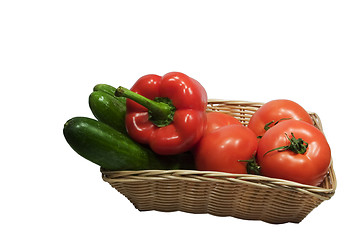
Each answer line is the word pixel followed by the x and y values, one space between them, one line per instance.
pixel 216 120
pixel 190 101
pixel 220 149
pixel 309 168
pixel 274 111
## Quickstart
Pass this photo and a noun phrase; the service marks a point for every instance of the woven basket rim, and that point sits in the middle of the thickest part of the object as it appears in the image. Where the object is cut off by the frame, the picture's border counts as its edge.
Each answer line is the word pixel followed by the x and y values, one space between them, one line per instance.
pixel 236 102
pixel 242 102
pixel 218 177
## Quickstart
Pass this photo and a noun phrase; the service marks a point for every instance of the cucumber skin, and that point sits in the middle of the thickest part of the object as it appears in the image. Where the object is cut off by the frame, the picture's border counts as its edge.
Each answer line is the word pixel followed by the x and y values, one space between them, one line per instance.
pixel 108 109
pixel 107 147
pixel 109 90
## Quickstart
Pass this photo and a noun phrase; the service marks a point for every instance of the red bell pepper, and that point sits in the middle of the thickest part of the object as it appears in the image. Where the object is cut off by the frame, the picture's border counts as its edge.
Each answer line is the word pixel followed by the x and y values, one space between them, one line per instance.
pixel 167 113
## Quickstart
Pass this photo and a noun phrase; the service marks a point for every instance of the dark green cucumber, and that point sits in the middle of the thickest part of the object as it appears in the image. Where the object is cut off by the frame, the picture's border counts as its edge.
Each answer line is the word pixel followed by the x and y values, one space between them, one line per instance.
pixel 109 148
pixel 109 90
pixel 108 109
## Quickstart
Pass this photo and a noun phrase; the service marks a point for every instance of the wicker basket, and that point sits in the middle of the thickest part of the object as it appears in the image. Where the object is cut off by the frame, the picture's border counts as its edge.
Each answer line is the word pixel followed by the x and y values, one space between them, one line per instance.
pixel 241 196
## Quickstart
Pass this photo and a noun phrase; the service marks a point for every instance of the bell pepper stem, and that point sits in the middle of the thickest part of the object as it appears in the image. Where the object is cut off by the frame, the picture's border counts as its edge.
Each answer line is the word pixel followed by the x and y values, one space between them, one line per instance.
pixel 161 110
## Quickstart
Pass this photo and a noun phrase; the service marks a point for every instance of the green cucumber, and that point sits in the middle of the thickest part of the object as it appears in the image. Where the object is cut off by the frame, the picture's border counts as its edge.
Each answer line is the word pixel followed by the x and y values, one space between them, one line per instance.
pixel 108 109
pixel 109 148
pixel 109 90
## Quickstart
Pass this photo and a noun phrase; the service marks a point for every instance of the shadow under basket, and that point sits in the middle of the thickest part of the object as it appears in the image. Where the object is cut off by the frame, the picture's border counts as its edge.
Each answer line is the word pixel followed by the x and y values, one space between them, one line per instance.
pixel 243 196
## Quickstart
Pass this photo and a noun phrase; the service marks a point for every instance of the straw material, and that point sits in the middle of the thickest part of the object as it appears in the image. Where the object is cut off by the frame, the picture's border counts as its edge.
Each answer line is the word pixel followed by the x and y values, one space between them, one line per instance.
pixel 241 196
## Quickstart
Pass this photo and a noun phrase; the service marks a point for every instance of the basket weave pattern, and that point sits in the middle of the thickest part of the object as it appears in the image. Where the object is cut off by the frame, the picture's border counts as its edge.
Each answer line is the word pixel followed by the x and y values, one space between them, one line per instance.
pixel 242 196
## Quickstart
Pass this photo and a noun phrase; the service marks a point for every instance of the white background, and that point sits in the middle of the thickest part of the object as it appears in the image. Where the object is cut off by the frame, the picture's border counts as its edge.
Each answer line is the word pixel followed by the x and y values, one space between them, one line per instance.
pixel 53 52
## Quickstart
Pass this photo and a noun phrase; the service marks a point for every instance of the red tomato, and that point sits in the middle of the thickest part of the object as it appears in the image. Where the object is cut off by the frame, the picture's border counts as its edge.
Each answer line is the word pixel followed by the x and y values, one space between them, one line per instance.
pixel 221 149
pixel 276 110
pixel 309 167
pixel 216 120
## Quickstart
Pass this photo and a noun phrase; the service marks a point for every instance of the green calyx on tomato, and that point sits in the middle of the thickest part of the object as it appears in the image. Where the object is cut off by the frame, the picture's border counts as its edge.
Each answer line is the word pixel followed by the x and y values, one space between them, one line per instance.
pixel 297 145
pixel 309 168
pixel 273 112
pixel 267 126
pixel 252 167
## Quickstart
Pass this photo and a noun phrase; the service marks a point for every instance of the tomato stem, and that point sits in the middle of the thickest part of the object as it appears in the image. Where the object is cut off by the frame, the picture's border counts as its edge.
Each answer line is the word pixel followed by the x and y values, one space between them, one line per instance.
pixel 251 167
pixel 267 126
pixel 298 146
